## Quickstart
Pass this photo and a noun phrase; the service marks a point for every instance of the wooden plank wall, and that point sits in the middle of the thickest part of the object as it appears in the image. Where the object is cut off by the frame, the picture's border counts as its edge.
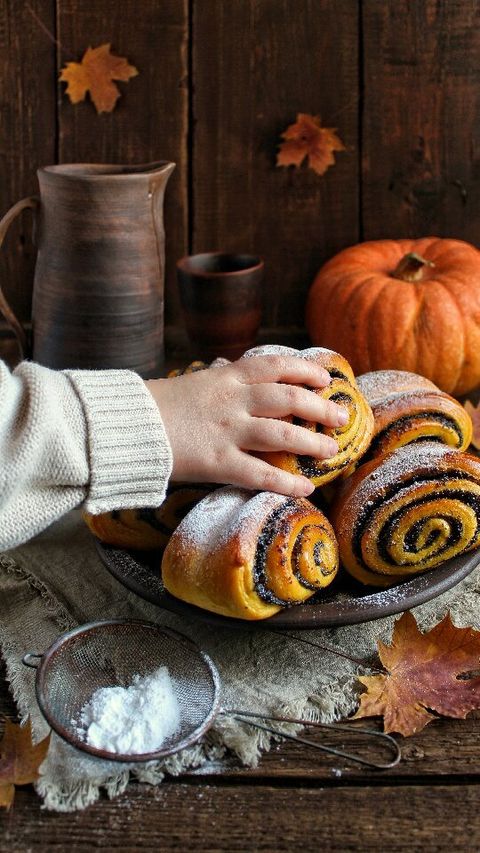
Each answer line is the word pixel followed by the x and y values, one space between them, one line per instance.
pixel 218 82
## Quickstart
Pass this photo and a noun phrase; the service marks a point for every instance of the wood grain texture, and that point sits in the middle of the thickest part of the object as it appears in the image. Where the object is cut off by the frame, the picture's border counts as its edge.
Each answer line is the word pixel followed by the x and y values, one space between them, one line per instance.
pixel 213 818
pixel 420 119
pixel 27 137
pixel 256 64
pixel 150 120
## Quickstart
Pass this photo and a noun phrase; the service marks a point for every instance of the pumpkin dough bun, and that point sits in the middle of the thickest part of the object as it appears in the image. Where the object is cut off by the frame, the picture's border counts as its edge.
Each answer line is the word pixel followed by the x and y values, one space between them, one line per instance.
pixel 406 512
pixel 409 408
pixel 248 555
pixel 353 439
pixel 147 529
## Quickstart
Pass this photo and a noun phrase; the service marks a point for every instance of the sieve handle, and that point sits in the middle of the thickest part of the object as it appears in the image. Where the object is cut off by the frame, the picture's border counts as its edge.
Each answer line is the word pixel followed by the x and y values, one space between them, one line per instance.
pixel 32 659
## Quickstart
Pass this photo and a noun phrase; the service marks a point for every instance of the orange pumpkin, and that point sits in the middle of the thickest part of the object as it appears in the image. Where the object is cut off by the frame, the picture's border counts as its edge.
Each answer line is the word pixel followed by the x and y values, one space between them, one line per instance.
pixel 404 305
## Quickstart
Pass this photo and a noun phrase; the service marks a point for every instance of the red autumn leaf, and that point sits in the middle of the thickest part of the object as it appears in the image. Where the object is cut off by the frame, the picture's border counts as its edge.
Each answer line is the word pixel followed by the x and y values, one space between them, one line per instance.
pixel 95 74
pixel 20 759
pixel 474 412
pixel 307 138
pixel 422 675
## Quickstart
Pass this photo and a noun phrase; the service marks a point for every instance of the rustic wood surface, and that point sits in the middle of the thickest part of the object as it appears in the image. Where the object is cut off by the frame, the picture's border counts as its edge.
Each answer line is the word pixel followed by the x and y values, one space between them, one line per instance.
pixel 218 83
pixel 294 800
pixel 254 68
pixel 420 117
pixel 27 137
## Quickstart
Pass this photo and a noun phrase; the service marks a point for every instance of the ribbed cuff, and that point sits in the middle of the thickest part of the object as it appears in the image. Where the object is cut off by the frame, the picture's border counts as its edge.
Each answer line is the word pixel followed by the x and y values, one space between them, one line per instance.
pixel 129 452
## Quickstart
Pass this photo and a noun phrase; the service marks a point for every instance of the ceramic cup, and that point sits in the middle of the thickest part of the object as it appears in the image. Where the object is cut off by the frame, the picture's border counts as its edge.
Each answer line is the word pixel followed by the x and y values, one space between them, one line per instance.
pixel 221 296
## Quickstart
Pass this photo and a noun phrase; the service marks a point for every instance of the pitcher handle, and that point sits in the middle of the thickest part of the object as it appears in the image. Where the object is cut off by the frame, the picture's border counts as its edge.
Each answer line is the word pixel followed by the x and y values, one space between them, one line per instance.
pixel 31 202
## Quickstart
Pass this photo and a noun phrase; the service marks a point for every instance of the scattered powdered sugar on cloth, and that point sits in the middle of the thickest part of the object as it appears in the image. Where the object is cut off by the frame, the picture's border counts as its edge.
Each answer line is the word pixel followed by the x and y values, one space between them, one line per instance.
pixel 131 720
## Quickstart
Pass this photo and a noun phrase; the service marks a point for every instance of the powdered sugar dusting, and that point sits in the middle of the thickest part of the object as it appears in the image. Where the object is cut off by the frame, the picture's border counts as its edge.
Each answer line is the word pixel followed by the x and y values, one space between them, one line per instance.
pixel 270 349
pixel 252 517
pixel 408 460
pixel 220 362
pixel 385 383
pixel 312 353
pixel 224 514
pixel 206 525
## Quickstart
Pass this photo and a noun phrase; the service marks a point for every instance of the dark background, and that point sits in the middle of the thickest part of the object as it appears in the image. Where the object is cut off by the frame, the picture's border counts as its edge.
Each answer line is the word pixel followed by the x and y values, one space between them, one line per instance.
pixel 219 81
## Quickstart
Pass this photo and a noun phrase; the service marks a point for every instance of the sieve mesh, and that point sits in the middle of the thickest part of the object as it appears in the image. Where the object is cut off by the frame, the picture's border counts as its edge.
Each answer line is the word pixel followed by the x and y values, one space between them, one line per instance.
pixel 109 654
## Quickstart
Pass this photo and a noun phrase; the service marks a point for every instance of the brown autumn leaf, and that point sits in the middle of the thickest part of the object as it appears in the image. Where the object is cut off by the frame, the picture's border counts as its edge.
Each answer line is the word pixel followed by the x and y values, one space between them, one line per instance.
pixel 94 74
pixel 422 676
pixel 307 138
pixel 20 759
pixel 474 412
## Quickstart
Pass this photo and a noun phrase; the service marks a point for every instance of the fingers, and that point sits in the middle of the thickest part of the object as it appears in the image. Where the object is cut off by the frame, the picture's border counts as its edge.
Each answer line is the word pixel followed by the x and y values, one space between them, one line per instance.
pixel 281 368
pixel 278 401
pixel 251 473
pixel 280 435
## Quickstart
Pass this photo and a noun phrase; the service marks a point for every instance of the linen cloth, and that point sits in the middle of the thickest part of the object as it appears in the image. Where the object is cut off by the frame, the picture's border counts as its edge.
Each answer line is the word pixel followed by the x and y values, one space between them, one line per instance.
pixel 57 581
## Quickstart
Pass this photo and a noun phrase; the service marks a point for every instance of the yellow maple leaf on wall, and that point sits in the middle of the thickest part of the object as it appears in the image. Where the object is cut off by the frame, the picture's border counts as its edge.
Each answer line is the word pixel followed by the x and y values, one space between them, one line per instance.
pixel 95 74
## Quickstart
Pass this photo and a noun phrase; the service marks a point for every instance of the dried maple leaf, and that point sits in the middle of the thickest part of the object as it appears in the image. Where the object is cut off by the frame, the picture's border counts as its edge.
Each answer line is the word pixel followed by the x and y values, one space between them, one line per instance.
pixel 94 74
pixel 474 412
pixel 20 759
pixel 422 676
pixel 307 138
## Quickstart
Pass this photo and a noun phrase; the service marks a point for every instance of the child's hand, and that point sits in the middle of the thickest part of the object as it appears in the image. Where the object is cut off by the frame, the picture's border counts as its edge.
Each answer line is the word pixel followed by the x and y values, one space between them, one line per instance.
pixel 214 417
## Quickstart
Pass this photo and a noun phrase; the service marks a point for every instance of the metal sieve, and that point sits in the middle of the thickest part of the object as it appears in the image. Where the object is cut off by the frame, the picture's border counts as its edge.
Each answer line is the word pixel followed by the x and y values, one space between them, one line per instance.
pixel 108 654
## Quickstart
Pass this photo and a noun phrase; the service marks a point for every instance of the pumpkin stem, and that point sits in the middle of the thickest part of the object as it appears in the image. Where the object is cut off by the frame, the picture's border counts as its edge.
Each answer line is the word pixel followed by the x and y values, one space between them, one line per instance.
pixel 410 267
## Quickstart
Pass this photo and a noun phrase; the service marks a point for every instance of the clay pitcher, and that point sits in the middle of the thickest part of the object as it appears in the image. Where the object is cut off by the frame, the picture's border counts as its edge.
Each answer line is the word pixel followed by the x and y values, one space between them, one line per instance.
pixel 98 289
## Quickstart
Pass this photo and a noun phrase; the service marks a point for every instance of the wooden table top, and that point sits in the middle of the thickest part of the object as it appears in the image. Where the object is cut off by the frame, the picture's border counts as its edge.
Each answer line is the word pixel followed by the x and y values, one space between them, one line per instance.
pixel 294 800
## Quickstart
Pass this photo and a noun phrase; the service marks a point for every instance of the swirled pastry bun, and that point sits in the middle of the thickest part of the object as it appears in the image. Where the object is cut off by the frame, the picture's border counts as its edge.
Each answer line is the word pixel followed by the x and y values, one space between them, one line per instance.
pixel 249 555
pixel 353 439
pixel 409 408
pixel 406 512
pixel 148 528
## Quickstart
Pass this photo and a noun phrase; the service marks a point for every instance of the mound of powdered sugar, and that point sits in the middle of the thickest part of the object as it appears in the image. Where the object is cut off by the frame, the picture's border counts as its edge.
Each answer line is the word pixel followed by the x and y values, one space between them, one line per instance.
pixel 132 720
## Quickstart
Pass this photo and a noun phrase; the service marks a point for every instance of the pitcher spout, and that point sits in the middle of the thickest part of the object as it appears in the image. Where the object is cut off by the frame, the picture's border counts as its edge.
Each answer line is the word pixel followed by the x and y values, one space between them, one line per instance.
pixel 158 178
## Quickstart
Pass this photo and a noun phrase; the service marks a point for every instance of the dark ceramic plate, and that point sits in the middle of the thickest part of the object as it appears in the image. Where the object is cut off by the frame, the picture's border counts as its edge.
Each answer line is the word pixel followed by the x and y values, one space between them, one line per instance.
pixel 344 603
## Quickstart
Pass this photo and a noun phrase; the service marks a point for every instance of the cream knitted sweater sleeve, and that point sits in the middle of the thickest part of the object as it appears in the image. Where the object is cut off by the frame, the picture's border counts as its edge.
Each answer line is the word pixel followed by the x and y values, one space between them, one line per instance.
pixel 76 437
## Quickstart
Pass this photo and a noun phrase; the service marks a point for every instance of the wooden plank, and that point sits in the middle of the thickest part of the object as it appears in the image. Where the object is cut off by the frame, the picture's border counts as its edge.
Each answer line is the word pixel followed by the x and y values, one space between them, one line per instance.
pixel 420 125
pixel 27 138
pixel 150 120
pixel 256 64
pixel 239 818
